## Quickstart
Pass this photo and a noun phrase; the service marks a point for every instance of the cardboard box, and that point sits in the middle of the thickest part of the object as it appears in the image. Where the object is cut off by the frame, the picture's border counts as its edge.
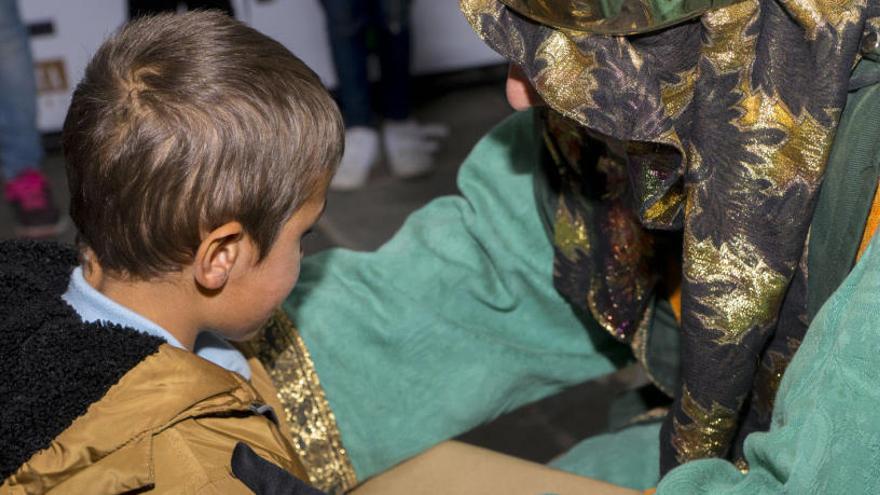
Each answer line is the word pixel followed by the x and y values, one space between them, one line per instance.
pixel 455 468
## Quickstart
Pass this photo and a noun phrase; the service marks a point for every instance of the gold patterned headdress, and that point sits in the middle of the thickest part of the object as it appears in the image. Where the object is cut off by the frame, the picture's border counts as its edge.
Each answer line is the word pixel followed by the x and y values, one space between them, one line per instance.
pixel 612 16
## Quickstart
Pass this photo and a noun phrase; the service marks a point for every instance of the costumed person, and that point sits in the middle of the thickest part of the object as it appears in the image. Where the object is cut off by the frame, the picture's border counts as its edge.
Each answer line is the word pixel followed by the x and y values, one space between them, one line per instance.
pixel 658 208
pixel 198 155
pixel 409 145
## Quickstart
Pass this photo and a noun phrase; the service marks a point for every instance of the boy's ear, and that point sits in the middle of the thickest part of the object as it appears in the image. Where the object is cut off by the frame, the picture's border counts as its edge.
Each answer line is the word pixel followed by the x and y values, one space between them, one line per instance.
pixel 218 253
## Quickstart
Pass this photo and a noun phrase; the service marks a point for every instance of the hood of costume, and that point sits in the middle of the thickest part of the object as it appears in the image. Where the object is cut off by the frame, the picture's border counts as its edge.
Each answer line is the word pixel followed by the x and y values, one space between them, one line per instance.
pixel 689 150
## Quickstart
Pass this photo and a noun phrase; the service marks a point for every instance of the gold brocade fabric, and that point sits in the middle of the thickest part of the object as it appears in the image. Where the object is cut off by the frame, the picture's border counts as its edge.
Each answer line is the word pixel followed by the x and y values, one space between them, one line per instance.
pixel 313 428
pixel 709 429
pixel 613 16
pixel 718 129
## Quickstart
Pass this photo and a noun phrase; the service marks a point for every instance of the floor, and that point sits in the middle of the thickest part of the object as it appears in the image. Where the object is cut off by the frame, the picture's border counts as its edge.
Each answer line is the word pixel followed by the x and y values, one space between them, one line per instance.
pixel 469 104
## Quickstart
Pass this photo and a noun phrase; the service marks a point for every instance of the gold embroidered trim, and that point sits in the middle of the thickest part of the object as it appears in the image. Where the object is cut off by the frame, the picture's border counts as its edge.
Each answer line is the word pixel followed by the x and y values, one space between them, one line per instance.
pixel 313 427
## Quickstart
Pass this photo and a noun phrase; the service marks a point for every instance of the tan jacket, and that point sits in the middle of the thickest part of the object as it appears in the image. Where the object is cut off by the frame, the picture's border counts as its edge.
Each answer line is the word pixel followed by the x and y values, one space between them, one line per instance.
pixel 171 424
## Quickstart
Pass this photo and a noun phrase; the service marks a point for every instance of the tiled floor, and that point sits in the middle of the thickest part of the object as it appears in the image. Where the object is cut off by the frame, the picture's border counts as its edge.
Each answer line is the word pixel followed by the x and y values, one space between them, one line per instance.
pixel 470 104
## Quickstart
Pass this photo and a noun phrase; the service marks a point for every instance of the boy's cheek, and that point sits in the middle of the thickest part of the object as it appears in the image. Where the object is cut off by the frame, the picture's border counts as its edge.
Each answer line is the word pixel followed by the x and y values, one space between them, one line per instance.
pixel 289 279
pixel 258 299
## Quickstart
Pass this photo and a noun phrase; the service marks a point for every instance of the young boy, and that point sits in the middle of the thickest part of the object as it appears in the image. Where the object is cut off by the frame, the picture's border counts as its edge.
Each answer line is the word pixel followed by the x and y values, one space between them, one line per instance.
pixel 198 155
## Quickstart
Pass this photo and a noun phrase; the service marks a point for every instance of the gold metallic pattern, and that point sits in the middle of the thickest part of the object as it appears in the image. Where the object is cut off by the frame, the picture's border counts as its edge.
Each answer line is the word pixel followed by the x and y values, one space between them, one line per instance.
pixel 662 203
pixel 616 288
pixel 677 96
pixel 736 263
pixel 695 161
pixel 804 150
pixel 730 95
pixel 565 82
pixel 570 233
pixel 729 47
pixel 759 111
pixel 816 15
pixel 313 428
pixel 612 16
pixel 803 154
pixel 707 435
pixel 474 10
pixel 666 209
pixel 477 11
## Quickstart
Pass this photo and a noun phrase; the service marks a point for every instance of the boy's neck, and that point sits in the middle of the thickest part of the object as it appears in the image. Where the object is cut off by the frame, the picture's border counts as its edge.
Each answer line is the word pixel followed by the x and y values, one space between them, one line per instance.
pixel 164 301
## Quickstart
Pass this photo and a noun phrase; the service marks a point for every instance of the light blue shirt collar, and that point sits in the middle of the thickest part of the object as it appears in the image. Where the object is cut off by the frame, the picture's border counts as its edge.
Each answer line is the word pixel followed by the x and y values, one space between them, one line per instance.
pixel 92 306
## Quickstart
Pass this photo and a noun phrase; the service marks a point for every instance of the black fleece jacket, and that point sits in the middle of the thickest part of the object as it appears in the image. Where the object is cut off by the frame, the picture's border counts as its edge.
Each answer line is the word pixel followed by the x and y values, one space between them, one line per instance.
pixel 53 366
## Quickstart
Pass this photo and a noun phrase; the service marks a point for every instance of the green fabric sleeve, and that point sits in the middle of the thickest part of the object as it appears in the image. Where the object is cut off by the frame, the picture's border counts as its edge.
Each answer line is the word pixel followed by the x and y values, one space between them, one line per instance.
pixel 825 437
pixel 454 321
pixel 629 457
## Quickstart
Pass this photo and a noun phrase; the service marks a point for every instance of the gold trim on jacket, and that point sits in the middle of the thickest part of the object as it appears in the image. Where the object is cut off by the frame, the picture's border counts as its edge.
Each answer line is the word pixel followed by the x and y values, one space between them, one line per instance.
pixel 310 421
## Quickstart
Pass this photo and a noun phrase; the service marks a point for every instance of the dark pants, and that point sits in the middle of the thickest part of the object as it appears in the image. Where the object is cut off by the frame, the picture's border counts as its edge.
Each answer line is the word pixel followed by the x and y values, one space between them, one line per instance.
pixel 348 22
pixel 137 8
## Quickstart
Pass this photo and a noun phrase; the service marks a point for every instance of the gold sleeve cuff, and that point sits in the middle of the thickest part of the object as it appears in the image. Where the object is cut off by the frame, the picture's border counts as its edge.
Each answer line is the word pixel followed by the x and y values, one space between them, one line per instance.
pixel 313 427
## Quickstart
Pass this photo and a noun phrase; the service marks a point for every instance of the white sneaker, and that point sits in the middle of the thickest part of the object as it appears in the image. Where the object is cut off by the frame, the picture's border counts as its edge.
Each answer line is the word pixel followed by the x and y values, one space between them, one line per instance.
pixel 361 153
pixel 410 146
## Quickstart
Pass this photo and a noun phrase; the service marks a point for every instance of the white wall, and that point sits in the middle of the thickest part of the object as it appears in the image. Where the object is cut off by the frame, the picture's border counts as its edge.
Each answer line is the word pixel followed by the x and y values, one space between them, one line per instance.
pixel 80 26
pixel 442 40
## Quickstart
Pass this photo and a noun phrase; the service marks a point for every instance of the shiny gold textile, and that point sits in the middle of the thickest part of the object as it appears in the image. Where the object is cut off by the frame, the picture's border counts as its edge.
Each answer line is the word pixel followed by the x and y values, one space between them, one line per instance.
pixel 708 431
pixel 168 426
pixel 613 16
pixel 312 424
pixel 720 128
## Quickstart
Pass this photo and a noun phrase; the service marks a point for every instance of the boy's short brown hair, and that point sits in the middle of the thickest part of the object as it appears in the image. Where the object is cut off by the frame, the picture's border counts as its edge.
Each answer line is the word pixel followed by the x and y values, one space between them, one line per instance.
pixel 183 123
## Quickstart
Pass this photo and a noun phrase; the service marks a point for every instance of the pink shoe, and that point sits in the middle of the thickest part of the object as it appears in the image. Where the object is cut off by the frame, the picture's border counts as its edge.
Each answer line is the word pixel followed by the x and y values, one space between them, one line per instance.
pixel 35 213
